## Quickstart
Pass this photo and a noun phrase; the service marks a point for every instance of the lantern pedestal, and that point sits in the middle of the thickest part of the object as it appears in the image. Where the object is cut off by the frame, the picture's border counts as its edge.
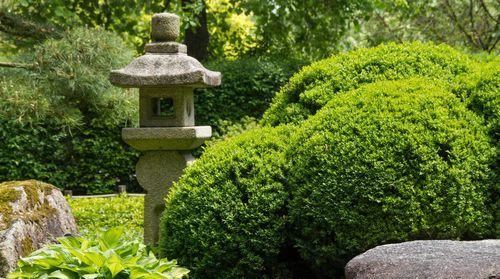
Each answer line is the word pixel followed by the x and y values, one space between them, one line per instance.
pixel 156 171
pixel 165 155
pixel 166 78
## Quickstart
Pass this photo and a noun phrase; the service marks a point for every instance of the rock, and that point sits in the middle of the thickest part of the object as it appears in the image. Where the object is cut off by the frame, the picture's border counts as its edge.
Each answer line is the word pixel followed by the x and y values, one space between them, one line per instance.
pixel 32 213
pixel 430 259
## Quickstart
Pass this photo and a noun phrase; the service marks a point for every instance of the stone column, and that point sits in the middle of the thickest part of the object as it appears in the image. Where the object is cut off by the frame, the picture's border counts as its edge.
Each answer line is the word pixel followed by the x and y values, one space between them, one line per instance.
pixel 156 171
pixel 166 78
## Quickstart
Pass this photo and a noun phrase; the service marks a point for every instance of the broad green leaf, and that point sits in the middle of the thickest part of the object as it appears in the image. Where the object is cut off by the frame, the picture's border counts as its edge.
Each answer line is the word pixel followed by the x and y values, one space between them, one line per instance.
pixel 90 276
pixel 18 274
pixel 63 274
pixel 72 242
pixel 80 255
pixel 110 238
pixel 179 272
pixel 114 264
pixel 96 258
pixel 138 272
pixel 157 275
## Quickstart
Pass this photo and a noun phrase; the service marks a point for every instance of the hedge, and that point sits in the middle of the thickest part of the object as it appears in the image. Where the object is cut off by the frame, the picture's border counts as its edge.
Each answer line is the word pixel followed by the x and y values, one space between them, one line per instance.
pixel 247 88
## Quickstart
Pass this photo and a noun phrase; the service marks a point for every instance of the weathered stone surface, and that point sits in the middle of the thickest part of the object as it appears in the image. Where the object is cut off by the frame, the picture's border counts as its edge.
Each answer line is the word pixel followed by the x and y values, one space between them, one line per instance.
pixel 165 27
pixel 156 171
pixel 430 259
pixel 32 213
pixel 165 62
pixel 167 138
pixel 165 47
pixel 182 105
pixel 166 77
pixel 161 70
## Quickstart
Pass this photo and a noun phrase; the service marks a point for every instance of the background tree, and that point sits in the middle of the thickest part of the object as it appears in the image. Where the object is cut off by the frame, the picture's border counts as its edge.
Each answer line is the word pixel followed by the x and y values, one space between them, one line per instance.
pixel 468 24
pixel 130 19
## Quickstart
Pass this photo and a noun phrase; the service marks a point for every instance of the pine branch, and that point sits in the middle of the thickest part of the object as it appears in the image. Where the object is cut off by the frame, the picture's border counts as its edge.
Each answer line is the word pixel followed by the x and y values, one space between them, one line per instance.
pixel 15 25
pixel 18 65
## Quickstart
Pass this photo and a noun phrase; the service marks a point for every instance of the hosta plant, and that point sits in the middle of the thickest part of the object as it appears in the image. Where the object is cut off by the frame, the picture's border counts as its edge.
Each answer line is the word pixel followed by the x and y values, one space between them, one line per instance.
pixel 105 256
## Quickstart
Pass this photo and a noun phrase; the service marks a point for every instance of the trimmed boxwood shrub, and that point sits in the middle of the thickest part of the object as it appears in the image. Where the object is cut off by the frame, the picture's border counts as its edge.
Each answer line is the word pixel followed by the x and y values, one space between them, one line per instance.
pixel 315 85
pixel 389 162
pixel 482 91
pixel 401 151
pixel 226 216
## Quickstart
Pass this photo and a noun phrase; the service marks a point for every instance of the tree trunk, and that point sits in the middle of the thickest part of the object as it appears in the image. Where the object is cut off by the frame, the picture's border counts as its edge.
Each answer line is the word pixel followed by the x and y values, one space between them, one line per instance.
pixel 196 38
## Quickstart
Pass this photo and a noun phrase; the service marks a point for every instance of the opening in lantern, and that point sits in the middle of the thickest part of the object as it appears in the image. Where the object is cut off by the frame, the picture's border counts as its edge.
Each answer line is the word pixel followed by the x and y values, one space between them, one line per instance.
pixel 163 107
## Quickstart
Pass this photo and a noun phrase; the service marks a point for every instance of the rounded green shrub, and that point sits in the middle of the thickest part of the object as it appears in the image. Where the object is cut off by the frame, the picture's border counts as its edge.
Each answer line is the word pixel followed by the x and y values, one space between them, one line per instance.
pixel 311 88
pixel 378 145
pixel 226 217
pixel 389 162
pixel 482 93
pixel 481 90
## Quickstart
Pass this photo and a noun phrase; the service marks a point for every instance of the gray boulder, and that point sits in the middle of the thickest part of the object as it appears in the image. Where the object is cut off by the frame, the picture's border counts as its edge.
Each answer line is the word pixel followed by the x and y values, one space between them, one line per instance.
pixel 32 213
pixel 430 259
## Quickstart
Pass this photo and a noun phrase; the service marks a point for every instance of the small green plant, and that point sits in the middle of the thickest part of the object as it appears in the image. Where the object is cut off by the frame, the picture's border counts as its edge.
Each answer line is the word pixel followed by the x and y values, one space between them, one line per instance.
pixel 105 256
pixel 105 213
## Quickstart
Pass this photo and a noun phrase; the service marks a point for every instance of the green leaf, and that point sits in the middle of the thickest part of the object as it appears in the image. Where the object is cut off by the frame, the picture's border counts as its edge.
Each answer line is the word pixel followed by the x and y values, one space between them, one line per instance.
pixel 97 259
pixel 139 272
pixel 178 272
pixel 72 242
pixel 63 274
pixel 90 276
pixel 111 238
pixel 18 274
pixel 115 264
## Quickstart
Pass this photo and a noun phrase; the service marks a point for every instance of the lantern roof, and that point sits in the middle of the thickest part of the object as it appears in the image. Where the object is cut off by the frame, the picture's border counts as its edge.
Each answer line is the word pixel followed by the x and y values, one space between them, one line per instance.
pixel 165 62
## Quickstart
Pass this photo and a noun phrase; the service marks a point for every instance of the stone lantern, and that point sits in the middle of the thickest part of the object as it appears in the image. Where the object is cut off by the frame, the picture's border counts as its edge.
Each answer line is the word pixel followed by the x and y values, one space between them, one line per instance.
pixel 166 77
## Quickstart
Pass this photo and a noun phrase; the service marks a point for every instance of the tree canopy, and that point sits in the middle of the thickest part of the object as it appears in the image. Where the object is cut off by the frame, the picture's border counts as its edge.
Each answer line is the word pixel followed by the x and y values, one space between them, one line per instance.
pixel 230 28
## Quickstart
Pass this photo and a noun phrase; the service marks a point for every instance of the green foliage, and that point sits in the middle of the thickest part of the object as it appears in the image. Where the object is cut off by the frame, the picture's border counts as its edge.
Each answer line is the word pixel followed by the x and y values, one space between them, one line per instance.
pixel 481 90
pixel 315 85
pixel 305 29
pixel 74 70
pixel 375 146
pixel 226 216
pixel 94 215
pixel 61 121
pixel 232 30
pixel 389 162
pixel 472 25
pixel 248 85
pixel 130 19
pixel 106 256
pixel 482 94
pixel 88 160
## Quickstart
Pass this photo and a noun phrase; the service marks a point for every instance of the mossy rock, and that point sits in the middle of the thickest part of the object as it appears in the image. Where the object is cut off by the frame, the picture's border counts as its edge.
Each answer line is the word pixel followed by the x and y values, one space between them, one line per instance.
pixel 33 213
